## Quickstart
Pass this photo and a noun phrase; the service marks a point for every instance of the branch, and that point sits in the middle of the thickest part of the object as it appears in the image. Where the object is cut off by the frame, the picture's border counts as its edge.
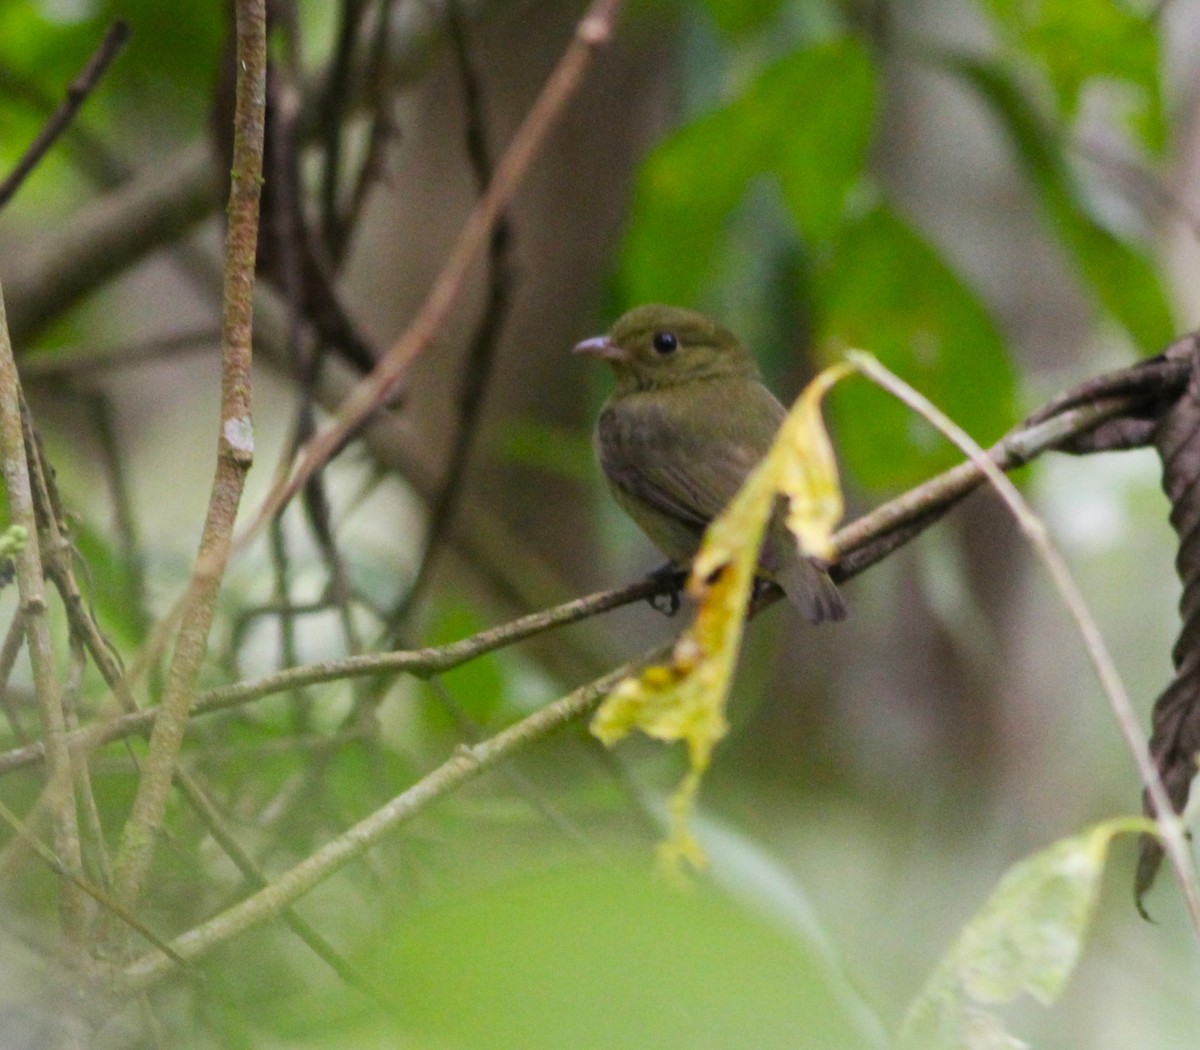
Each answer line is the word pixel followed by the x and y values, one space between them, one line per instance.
pixel 421 663
pixel 234 455
pixel 77 93
pixel 593 31
pixel 477 370
pixel 466 764
pixel 34 616
pixel 109 235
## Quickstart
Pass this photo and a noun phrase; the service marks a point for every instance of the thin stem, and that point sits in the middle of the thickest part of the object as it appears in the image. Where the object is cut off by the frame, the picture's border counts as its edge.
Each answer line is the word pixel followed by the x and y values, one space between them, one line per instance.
pixel 234 456
pixel 593 30
pixel 32 588
pixel 467 763
pixel 77 93
pixel 1169 825
pixel 419 662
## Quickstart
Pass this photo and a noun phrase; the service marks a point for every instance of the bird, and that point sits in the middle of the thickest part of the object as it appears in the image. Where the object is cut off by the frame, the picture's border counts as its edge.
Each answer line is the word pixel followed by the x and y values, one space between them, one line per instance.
pixel 687 421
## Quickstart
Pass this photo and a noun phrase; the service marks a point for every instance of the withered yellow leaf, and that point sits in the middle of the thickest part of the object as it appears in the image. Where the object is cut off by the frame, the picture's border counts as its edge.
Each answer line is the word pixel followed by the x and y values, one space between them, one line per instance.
pixel 685 699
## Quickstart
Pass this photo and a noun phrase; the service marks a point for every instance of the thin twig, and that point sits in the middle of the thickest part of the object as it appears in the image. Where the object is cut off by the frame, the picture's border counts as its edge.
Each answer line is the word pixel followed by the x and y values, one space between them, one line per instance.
pixel 125 523
pixel 593 30
pixel 215 822
pixel 77 92
pixel 869 538
pixel 34 612
pixel 860 544
pixel 382 132
pixel 331 117
pixel 235 453
pixel 92 827
pixel 418 662
pixel 478 367
pixel 14 641
pixel 55 864
pixel 467 762
pixel 1169 825
pixel 86 149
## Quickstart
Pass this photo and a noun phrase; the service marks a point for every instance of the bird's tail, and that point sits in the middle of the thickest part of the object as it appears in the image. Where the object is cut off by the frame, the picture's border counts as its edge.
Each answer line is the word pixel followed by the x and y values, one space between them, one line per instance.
pixel 810 590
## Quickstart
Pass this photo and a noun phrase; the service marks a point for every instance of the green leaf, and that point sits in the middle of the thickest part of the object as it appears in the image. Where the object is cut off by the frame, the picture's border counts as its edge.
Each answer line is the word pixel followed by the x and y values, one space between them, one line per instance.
pixel 557 450
pixel 597 958
pixel 737 18
pixel 1079 42
pixel 1119 274
pixel 828 100
pixel 805 119
pixel 887 291
pixel 112 587
pixel 1026 939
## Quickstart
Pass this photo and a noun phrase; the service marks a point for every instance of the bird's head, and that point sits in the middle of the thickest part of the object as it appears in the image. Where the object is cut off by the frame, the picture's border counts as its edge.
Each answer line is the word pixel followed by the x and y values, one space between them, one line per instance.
pixel 656 346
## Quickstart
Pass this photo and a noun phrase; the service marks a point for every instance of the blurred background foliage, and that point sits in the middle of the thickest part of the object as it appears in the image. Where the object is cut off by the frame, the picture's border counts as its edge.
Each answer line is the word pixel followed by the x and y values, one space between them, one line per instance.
pixel 996 198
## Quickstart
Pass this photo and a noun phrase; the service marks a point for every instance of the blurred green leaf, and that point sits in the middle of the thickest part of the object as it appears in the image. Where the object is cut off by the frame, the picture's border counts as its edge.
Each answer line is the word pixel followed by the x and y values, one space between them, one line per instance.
pixel 887 291
pixel 1078 42
pixel 805 119
pixel 739 17
pixel 557 450
pixel 111 584
pixel 479 684
pixel 827 101
pixel 593 958
pixel 1119 274
pixel 1026 939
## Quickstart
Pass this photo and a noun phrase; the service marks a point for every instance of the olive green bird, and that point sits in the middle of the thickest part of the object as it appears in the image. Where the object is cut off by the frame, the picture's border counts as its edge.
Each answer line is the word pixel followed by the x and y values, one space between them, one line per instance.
pixel 688 420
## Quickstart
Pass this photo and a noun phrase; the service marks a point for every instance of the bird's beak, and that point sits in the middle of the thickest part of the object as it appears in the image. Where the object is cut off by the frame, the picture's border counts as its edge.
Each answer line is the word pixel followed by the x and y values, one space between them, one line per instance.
pixel 600 346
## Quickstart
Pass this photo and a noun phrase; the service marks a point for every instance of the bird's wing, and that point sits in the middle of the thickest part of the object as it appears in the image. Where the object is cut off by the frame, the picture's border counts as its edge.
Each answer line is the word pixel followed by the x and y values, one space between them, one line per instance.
pixel 688 461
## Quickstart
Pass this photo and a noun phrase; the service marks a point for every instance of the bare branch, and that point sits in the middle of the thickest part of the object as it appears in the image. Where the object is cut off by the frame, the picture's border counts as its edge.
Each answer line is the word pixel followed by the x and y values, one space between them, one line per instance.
pixel 419 662
pixel 234 455
pixel 466 764
pixel 34 614
pixel 477 370
pixel 593 30
pixel 77 92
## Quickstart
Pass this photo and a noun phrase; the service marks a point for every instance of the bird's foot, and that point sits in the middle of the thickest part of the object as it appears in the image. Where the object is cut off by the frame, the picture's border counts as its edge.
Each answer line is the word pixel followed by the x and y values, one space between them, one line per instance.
pixel 667 602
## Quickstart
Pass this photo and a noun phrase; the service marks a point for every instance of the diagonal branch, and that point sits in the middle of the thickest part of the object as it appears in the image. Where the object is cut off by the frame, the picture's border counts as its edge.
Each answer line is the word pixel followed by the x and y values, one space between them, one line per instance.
pixel 593 31
pixel 466 764
pixel 77 93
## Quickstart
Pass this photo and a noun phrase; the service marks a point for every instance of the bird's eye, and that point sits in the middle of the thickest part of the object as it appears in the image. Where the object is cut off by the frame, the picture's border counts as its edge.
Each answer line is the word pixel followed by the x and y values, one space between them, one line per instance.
pixel 665 342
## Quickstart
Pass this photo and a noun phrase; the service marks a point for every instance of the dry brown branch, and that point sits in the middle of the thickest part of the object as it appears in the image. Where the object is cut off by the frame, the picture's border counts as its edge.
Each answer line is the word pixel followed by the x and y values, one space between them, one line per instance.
pixel 593 31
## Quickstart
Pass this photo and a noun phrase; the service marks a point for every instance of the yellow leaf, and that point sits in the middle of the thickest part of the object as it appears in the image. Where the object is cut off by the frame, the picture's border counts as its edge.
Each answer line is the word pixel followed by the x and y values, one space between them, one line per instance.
pixel 685 699
pixel 807 468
